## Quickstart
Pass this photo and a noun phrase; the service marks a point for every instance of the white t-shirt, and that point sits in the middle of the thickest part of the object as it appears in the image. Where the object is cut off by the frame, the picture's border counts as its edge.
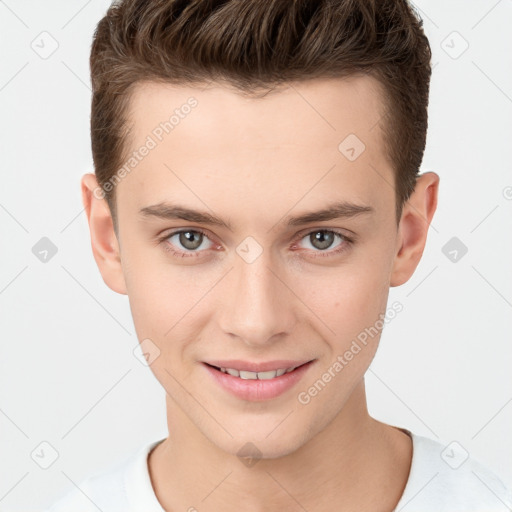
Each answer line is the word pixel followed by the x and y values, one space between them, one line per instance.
pixel 442 479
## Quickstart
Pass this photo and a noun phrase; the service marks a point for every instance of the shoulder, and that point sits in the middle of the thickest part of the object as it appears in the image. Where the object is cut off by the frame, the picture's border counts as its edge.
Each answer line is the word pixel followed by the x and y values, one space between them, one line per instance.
pixel 114 489
pixel 443 477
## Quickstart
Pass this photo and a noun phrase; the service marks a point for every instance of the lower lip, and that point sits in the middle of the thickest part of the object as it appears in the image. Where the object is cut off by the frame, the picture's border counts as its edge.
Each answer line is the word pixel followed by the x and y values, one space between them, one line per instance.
pixel 255 389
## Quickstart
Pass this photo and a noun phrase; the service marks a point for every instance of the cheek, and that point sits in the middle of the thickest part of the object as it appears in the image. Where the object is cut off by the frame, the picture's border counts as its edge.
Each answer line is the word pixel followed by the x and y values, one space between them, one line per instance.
pixel 165 301
pixel 153 296
pixel 152 282
pixel 348 298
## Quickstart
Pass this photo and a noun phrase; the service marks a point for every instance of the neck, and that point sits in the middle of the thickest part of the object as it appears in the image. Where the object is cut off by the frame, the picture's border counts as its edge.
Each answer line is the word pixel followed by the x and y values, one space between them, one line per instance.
pixel 355 463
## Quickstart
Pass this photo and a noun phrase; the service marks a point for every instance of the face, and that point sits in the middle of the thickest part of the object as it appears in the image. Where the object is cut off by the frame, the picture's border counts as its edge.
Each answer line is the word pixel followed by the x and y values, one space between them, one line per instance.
pixel 267 285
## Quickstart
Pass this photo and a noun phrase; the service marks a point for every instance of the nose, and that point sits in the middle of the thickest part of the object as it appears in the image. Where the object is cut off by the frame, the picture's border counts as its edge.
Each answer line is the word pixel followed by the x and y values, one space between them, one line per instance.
pixel 258 306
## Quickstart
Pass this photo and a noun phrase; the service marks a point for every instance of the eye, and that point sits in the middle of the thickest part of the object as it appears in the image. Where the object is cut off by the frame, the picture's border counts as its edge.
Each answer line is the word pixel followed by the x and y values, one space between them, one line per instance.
pixel 190 242
pixel 322 239
pixel 186 242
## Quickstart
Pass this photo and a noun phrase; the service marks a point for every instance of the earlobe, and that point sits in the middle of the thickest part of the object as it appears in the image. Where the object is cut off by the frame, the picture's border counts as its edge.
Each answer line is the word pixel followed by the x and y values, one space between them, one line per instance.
pixel 104 243
pixel 413 230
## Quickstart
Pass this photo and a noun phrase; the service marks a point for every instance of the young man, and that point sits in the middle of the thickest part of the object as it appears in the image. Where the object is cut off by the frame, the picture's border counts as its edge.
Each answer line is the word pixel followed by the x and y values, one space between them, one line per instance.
pixel 256 195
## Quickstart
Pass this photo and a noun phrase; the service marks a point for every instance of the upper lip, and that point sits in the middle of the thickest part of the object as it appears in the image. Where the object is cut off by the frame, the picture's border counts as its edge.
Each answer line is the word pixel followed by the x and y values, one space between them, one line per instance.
pixel 251 366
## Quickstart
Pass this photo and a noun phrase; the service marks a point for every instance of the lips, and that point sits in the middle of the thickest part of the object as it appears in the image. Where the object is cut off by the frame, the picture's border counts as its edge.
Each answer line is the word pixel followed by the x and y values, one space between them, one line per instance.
pixel 249 385
pixel 251 366
pixel 270 374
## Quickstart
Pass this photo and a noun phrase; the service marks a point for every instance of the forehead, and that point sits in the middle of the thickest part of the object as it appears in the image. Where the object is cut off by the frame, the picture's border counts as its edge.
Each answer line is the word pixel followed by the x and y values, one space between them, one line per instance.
pixel 294 112
pixel 310 137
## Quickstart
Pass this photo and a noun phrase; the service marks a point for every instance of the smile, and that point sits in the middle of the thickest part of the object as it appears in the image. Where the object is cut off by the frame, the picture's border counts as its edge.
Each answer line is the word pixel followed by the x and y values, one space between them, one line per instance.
pixel 261 385
pixel 272 374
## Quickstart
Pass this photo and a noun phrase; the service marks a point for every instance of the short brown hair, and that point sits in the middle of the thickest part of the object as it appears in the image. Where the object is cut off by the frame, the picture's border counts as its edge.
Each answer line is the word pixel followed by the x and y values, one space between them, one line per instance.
pixel 260 44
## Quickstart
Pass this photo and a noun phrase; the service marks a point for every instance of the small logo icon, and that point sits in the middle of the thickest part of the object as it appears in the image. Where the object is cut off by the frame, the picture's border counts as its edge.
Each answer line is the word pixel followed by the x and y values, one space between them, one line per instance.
pixel 44 250
pixel 507 193
pixel 454 45
pixel 45 45
pixel 249 249
pixel 351 147
pixel 44 455
pixel 146 352
pixel 454 455
pixel 249 454
pixel 454 249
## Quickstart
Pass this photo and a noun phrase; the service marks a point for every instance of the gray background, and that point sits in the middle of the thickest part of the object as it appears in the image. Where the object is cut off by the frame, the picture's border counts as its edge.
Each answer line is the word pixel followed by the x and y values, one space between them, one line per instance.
pixel 68 374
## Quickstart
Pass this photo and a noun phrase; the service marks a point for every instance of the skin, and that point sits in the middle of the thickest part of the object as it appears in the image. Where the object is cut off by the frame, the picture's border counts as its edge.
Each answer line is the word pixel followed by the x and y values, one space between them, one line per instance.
pixel 254 162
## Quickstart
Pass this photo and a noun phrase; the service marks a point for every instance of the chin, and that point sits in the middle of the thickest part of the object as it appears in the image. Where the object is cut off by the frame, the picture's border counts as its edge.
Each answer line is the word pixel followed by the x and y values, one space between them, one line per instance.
pixel 258 444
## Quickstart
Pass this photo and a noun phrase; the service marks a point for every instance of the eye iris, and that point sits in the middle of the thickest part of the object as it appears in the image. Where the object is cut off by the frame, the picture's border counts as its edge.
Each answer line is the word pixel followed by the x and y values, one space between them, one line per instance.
pixel 187 239
pixel 192 239
pixel 322 239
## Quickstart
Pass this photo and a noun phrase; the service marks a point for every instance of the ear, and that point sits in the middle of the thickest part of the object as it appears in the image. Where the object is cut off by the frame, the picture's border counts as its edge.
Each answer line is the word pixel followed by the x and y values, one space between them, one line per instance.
pixel 413 228
pixel 105 246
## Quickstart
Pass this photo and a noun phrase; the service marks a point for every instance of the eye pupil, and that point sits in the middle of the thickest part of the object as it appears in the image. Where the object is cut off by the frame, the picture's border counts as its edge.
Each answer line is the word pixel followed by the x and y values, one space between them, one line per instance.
pixel 187 239
pixel 322 239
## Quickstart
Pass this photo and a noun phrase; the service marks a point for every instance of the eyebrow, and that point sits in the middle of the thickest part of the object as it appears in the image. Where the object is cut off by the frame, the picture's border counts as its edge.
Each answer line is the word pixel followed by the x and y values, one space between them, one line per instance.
pixel 338 210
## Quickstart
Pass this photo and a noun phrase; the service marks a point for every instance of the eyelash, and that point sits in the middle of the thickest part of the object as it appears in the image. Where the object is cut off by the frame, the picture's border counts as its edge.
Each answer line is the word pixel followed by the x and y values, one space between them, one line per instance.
pixel 345 245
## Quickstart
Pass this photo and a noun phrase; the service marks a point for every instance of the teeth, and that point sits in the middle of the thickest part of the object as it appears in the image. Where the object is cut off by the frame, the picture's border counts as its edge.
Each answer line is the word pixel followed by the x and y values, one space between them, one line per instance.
pixel 248 375
pixel 257 375
pixel 267 375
